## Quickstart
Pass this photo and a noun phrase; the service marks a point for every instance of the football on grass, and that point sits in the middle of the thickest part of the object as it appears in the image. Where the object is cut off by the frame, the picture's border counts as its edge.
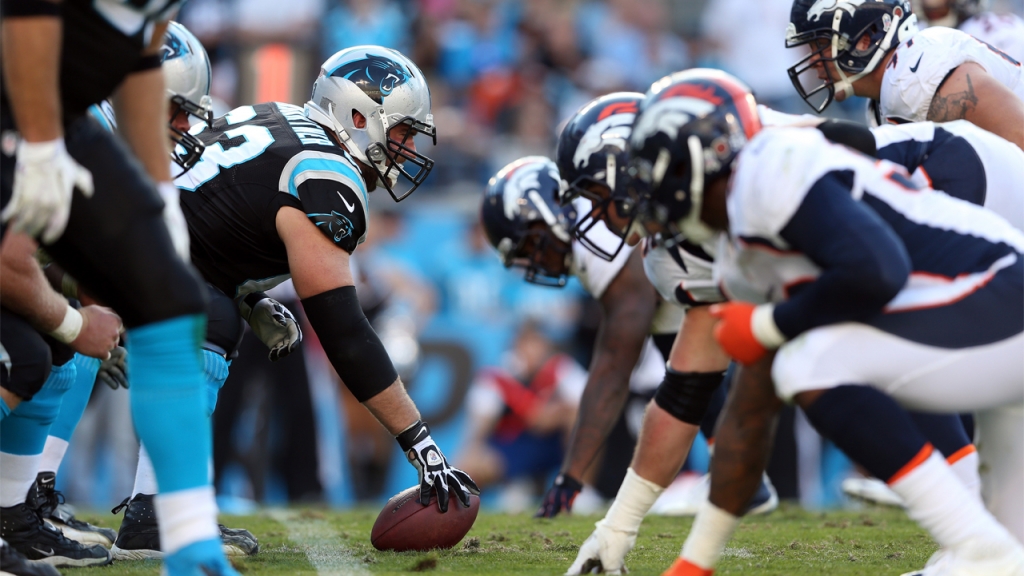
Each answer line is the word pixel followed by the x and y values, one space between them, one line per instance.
pixel 405 524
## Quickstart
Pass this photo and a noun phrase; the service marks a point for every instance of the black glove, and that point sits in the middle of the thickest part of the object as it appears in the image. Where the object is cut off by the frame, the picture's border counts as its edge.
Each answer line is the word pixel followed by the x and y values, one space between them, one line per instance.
pixel 272 323
pixel 559 497
pixel 434 470
pixel 112 370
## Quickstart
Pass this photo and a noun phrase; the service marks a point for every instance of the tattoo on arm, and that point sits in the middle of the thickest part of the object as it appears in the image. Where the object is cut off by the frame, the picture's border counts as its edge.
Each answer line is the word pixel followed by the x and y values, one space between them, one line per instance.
pixel 955 106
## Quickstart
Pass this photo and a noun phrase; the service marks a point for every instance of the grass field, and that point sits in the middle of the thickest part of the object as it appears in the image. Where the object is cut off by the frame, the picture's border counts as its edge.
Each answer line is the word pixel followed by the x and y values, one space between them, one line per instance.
pixel 791 542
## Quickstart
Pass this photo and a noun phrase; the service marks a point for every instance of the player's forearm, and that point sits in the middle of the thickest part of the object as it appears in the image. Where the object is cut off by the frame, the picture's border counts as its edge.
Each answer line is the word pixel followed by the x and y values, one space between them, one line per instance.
pixel 619 343
pixel 31 63
pixel 141 108
pixel 24 288
pixel 602 402
pixel 744 437
pixel 393 408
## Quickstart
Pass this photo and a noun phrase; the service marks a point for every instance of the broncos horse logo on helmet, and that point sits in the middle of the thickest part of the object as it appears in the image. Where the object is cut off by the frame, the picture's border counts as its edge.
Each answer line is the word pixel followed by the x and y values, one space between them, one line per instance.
pixel 376 75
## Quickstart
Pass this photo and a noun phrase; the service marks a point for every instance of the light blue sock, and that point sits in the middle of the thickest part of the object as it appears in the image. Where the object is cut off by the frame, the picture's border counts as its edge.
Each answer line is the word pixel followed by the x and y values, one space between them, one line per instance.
pixel 76 399
pixel 169 400
pixel 5 410
pixel 24 431
pixel 203 558
pixel 215 368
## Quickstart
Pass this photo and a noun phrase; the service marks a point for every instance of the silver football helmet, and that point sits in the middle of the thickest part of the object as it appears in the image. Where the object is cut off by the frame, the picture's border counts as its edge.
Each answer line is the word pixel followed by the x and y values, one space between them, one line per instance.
pixel 387 89
pixel 186 69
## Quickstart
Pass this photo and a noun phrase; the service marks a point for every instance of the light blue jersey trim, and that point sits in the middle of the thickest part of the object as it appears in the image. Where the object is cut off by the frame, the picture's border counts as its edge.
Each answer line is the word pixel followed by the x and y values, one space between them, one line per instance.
pixel 104 114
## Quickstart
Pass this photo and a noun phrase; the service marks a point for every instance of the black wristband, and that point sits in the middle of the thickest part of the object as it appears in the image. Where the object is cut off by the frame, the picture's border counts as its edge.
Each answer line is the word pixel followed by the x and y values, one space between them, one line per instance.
pixel 567 481
pixel 15 8
pixel 147 62
pixel 413 435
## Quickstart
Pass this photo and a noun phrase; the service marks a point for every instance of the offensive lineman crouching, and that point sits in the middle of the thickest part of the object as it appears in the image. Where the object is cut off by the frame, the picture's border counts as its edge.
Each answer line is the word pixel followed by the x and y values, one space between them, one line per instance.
pixel 283 191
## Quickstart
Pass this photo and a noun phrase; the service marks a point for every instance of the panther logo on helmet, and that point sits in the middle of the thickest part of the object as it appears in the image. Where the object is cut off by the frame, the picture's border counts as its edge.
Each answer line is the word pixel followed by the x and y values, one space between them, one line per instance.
pixel 172 48
pixel 822 6
pixel 376 75
pixel 337 224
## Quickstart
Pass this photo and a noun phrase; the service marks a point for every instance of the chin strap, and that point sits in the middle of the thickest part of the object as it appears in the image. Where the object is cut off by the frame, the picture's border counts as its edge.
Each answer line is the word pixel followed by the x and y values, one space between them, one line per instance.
pixel 902 32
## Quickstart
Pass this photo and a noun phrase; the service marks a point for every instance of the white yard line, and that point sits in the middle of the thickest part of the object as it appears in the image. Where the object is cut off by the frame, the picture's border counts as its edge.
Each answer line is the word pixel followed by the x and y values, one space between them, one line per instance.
pixel 321 543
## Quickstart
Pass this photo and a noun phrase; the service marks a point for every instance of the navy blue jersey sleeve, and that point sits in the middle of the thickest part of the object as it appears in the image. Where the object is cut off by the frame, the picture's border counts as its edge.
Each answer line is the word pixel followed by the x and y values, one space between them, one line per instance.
pixel 864 264
pixel 336 209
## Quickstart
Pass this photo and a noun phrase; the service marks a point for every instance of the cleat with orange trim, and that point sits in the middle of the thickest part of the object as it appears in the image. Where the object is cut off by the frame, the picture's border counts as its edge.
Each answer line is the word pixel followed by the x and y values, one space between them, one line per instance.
pixel 683 567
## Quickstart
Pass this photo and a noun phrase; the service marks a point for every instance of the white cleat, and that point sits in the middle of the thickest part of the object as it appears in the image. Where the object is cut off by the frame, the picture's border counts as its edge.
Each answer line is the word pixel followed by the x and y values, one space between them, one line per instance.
pixel 976 558
pixel 688 500
pixel 872 490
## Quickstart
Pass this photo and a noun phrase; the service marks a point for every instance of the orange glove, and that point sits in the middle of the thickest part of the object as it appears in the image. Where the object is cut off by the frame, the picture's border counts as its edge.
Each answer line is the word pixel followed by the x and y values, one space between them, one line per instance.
pixel 746 332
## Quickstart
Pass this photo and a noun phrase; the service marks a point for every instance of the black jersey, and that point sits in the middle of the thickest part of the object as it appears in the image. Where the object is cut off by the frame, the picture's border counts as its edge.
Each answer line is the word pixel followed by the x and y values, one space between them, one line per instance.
pixel 102 42
pixel 258 159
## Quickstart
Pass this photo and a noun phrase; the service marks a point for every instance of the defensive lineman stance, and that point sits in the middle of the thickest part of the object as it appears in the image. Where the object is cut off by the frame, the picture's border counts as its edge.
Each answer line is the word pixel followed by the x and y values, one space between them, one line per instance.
pixel 282 191
pixel 524 222
pixel 842 249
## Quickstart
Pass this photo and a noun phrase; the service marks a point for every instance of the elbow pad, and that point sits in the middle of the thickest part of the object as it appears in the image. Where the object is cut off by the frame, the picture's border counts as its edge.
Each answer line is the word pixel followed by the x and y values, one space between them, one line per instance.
pixel 351 344
pixel 850 134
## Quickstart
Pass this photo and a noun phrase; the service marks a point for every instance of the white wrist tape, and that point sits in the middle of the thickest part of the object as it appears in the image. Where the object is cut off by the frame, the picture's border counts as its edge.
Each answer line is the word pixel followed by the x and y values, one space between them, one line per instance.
pixel 40 151
pixel 635 497
pixel 711 530
pixel 69 327
pixel 762 324
pixel 169 192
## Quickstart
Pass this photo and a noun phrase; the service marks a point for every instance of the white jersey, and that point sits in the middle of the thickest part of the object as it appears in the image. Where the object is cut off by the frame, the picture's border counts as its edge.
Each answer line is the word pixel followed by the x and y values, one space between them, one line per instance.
pixel 961 159
pixel 923 62
pixel 777 170
pixel 1004 32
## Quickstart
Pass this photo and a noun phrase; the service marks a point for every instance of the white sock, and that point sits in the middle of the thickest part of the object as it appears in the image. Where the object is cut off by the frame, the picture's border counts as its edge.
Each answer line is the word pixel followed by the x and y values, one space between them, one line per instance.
pixel 185 517
pixel 635 497
pixel 966 469
pixel 17 473
pixel 145 476
pixel 53 454
pixel 937 500
pixel 712 529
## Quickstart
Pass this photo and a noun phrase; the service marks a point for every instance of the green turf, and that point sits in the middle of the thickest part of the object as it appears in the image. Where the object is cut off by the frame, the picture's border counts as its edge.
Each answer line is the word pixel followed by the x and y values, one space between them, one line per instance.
pixel 875 541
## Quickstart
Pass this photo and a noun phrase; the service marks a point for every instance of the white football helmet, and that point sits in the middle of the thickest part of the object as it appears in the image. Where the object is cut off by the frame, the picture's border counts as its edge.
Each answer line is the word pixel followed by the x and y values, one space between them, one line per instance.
pixel 387 89
pixel 186 69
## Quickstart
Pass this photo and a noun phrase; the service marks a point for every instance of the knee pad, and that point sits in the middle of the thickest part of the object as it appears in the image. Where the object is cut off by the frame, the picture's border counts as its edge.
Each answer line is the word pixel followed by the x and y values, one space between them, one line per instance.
pixel 686 395
pixel 30 356
pixel 215 368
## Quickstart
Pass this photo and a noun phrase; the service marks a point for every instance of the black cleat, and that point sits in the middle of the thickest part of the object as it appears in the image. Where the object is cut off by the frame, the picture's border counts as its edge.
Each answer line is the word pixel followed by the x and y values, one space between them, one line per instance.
pixel 139 536
pixel 23 528
pixel 50 503
pixel 14 563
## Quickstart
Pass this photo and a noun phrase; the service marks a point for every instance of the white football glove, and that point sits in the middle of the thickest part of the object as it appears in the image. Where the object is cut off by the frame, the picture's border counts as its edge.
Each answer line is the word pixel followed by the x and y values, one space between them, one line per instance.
pixel 273 324
pixel 604 551
pixel 45 176
pixel 174 218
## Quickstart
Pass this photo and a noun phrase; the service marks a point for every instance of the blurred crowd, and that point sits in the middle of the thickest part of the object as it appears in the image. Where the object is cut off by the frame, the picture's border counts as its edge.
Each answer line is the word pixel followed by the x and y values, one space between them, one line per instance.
pixel 504 75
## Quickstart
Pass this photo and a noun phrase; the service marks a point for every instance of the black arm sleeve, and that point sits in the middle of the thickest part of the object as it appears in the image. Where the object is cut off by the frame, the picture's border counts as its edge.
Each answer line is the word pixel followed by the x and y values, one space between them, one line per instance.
pixel 336 209
pixel 351 345
pixel 864 264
